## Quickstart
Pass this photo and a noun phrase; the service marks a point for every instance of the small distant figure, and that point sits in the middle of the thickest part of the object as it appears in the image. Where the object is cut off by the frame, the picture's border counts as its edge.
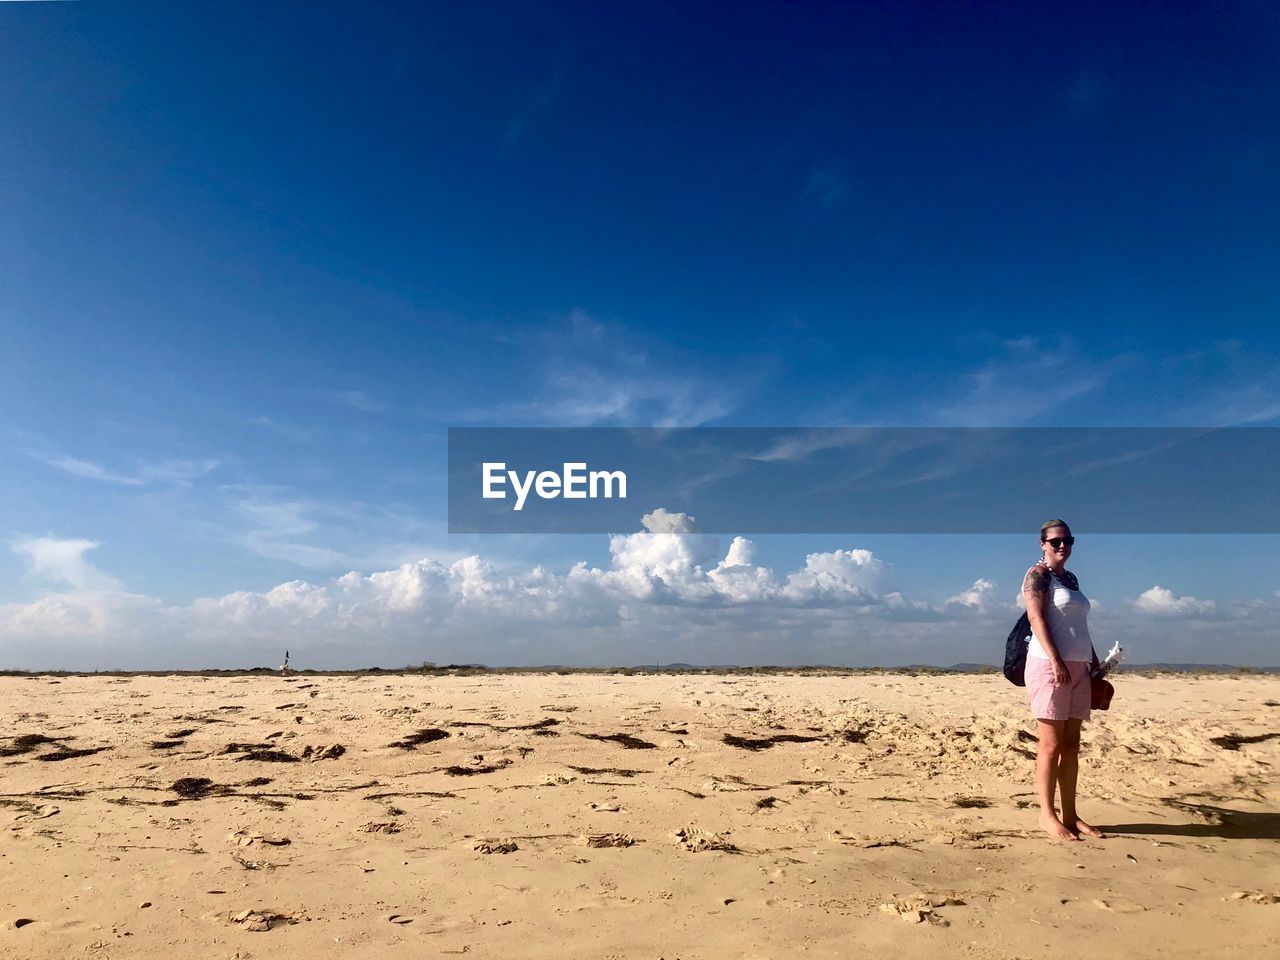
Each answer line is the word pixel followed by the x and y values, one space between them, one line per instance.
pixel 284 667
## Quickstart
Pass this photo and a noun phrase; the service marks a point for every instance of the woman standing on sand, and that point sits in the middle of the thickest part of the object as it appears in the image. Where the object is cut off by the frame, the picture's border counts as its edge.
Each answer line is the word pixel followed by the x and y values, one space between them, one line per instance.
pixel 1059 659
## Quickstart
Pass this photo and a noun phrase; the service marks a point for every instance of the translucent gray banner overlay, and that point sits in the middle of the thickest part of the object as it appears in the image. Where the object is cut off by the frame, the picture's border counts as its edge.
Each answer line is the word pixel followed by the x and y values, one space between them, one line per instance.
pixel 866 480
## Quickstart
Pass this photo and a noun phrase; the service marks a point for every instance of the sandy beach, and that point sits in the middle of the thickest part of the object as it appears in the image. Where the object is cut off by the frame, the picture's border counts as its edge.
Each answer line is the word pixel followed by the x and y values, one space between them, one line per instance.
pixel 668 816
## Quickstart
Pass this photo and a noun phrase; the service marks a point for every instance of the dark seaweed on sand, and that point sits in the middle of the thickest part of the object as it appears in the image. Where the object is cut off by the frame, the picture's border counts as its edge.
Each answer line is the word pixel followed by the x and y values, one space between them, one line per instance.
pixel 268 756
pixel 537 725
pixel 419 737
pixel 616 771
pixel 1234 742
pixel 28 742
pixel 747 743
pixel 456 771
pixel 70 754
pixel 197 788
pixel 622 739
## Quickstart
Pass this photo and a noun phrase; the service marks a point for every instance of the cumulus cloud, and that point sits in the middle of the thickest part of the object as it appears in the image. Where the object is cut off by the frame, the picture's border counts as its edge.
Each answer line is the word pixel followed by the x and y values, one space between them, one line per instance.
pixel 1161 601
pixel 63 561
pixel 667 592
pixel 981 596
pixel 665 581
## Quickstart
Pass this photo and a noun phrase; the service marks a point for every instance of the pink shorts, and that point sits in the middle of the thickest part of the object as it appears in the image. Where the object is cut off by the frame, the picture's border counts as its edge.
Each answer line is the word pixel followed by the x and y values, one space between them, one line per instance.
pixel 1055 701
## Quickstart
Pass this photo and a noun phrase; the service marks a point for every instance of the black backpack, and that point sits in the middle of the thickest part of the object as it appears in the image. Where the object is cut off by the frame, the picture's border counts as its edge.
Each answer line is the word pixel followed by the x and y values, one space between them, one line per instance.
pixel 1015 651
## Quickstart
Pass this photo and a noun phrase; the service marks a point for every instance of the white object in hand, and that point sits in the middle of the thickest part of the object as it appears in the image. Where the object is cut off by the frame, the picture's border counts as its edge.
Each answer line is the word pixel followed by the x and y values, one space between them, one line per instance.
pixel 1115 656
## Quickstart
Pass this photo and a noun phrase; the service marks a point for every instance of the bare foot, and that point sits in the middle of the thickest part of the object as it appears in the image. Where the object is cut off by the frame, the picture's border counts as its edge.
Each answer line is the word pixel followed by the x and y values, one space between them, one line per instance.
pixel 1088 829
pixel 1055 828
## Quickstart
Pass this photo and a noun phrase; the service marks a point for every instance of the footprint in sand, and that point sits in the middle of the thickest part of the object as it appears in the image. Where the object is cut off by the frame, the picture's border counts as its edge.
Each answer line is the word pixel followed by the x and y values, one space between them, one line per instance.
pixel 243 838
pixel 920 908
pixel 867 842
pixel 1256 897
pixel 1116 905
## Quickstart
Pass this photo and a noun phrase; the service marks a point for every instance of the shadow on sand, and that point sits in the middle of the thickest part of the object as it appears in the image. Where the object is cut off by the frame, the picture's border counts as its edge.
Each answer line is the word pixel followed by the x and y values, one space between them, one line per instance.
pixel 1217 822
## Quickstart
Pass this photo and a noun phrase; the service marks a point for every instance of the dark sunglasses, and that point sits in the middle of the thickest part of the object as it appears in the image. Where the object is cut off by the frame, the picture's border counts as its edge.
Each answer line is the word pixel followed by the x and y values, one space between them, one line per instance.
pixel 1057 542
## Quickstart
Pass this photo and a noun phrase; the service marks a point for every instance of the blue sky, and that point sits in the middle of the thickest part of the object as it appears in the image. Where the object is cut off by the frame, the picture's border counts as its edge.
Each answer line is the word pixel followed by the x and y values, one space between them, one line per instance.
pixel 257 258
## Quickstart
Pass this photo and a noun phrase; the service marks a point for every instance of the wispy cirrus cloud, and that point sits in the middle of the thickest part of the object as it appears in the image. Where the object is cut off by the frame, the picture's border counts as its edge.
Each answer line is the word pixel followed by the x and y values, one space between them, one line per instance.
pixel 590 372
pixel 358 400
pixel 538 101
pixel 1011 383
pixel 287 430
pixel 145 473
pixel 86 468
pixel 293 527
pixel 279 530
pixel 826 188
pixel 1028 378
pixel 1236 384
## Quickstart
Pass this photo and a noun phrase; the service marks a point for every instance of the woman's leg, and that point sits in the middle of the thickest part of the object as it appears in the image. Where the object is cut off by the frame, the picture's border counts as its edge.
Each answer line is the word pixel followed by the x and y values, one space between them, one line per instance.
pixel 1047 763
pixel 1068 769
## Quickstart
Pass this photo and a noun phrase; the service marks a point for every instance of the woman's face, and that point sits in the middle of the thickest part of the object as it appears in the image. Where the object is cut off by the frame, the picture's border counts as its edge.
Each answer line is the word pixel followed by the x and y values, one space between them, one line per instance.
pixel 1056 554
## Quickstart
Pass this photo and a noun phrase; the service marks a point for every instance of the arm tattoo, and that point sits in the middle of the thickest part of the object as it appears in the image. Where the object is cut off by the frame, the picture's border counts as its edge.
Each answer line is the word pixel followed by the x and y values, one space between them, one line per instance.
pixel 1036 582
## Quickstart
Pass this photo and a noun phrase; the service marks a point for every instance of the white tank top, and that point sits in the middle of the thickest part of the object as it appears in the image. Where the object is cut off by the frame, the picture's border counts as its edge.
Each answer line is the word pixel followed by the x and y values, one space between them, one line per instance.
pixel 1066 611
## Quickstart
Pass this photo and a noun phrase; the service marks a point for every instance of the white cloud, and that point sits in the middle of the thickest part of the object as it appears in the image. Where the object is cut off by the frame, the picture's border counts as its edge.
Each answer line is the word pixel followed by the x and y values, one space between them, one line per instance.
pixel 666 593
pixel 85 468
pixel 1025 380
pixel 590 372
pixel 981 596
pixel 665 581
pixel 358 400
pixel 277 530
pixel 796 445
pixel 76 622
pixel 63 561
pixel 173 472
pixel 1161 601
pixel 840 576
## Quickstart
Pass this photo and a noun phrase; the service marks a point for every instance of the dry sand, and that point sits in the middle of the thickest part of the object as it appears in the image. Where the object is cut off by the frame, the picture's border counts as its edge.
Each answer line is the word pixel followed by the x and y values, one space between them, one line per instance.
pixel 165 819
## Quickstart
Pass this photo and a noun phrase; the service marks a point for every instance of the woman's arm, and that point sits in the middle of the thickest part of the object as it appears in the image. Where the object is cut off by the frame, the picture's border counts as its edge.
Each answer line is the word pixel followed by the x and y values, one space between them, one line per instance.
pixel 1035 590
